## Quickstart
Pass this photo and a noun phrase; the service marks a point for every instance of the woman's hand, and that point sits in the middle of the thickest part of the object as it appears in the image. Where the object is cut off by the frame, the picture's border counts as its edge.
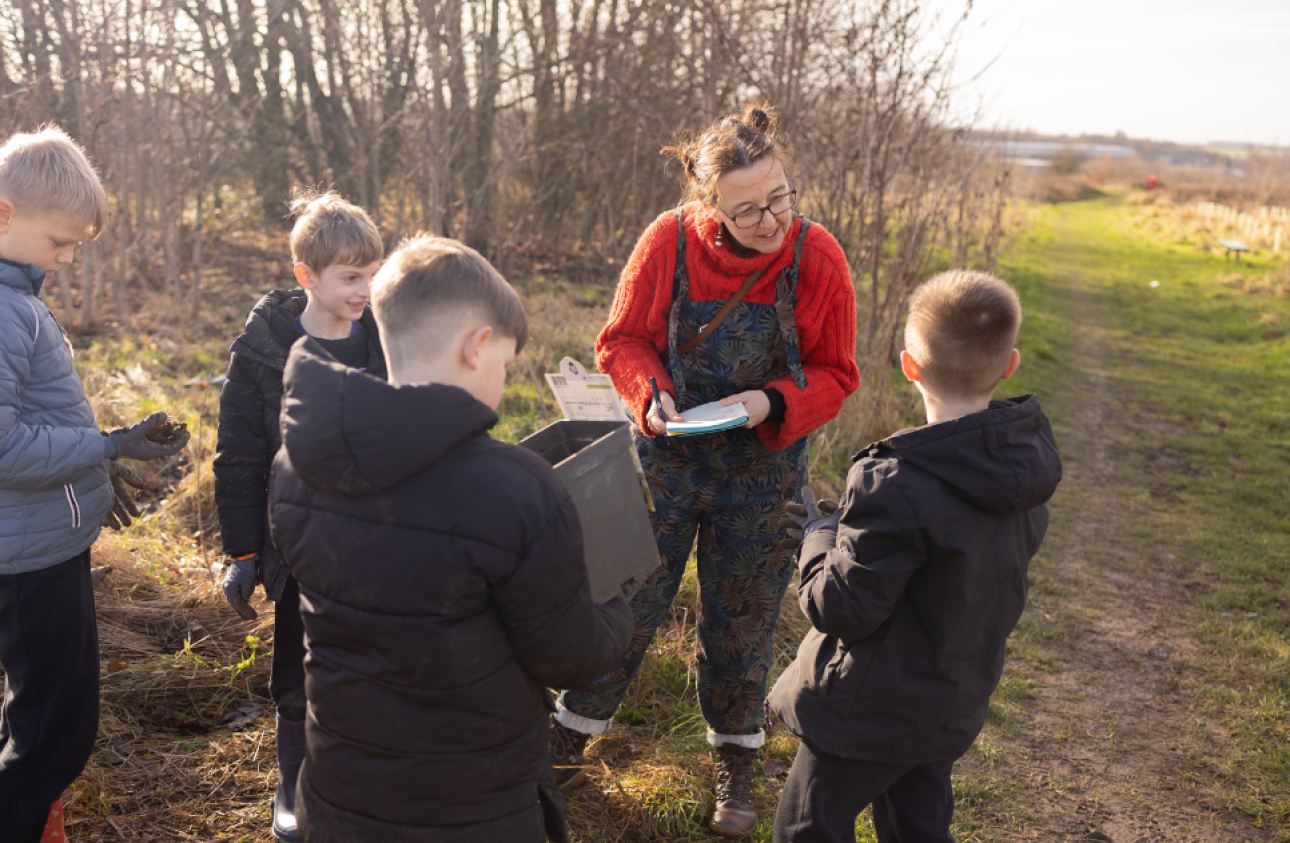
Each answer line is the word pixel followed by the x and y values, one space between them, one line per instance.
pixel 656 422
pixel 755 402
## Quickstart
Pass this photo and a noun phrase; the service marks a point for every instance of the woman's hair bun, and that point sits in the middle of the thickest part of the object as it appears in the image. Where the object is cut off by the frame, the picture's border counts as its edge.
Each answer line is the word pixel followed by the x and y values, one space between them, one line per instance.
pixel 689 164
pixel 731 142
pixel 760 119
pixel 686 153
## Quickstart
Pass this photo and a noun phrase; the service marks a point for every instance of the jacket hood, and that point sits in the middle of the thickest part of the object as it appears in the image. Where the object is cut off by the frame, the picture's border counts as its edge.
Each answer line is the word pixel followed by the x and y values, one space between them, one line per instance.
pixel 23 277
pixel 350 434
pixel 271 327
pixel 1003 459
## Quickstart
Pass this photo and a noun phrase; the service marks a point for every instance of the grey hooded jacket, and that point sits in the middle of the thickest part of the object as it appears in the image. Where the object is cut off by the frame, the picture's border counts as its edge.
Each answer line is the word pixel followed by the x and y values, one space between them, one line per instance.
pixel 54 487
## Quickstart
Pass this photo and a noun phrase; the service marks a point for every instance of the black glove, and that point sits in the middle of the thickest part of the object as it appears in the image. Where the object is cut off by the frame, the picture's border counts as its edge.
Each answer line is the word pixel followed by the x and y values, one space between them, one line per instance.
pixel 123 505
pixel 239 584
pixel 806 517
pixel 133 443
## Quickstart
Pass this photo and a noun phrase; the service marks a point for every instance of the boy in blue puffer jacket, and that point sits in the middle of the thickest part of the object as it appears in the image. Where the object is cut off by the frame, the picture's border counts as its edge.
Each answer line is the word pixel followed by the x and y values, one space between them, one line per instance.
pixel 55 485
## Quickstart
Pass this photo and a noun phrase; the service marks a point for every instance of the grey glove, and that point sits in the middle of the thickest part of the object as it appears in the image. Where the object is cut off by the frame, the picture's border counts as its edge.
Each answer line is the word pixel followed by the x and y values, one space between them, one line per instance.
pixel 123 505
pixel 143 441
pixel 239 584
pixel 806 517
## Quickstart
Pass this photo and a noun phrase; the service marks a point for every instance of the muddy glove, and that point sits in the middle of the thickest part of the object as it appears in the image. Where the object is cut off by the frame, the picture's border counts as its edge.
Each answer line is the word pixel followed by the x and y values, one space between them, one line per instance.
pixel 806 517
pixel 123 504
pixel 132 442
pixel 239 585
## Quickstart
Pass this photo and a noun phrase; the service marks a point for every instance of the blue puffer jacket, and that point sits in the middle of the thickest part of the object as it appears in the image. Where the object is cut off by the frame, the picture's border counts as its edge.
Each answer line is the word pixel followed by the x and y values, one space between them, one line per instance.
pixel 54 487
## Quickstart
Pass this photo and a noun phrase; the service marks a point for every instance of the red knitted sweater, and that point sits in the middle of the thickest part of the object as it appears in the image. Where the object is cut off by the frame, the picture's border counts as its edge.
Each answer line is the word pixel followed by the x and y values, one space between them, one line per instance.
pixel 633 346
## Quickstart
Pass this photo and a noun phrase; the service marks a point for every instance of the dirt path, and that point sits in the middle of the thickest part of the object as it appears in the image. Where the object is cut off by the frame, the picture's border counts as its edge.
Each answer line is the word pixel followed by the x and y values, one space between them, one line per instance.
pixel 1109 746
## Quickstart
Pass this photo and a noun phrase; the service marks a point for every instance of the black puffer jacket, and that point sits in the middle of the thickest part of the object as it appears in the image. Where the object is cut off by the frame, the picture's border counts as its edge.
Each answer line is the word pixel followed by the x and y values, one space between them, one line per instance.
pixel 912 607
pixel 248 426
pixel 443 589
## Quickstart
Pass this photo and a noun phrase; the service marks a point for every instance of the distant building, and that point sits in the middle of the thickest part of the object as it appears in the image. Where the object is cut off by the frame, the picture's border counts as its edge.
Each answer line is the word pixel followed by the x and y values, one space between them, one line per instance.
pixel 1045 150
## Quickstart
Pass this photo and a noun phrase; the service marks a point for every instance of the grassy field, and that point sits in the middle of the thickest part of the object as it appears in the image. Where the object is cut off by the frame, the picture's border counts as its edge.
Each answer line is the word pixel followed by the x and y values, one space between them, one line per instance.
pixel 1147 692
pixel 1151 673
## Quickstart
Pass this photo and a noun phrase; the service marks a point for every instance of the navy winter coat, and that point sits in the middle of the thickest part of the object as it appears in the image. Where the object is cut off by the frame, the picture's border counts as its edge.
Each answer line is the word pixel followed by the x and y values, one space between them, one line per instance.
pixel 443 590
pixel 912 600
pixel 249 407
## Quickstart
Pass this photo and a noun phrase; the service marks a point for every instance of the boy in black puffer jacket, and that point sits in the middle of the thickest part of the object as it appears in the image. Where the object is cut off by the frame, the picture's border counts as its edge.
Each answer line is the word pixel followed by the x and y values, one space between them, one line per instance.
pixel 441 573
pixel 914 584
pixel 336 249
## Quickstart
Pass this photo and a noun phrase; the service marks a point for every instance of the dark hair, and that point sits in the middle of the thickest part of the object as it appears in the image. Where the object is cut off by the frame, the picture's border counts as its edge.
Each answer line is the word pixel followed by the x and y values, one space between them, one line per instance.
pixel 429 284
pixel 961 330
pixel 330 230
pixel 731 143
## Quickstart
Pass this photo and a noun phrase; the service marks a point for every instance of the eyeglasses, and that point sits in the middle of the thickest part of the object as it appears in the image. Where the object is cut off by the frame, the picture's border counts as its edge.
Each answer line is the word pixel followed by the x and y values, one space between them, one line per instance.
pixel 753 216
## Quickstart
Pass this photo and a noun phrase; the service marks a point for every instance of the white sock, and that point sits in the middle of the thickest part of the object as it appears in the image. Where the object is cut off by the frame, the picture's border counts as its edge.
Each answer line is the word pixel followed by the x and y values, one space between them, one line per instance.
pixel 746 741
pixel 585 725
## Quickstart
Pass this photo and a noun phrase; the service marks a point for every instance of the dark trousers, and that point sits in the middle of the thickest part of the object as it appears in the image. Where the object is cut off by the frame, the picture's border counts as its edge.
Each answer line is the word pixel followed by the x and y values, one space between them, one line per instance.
pixel 825 794
pixel 287 676
pixel 49 649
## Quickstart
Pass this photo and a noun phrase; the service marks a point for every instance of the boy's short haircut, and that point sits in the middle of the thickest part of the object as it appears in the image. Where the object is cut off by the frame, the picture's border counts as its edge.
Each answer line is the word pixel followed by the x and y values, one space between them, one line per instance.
pixel 330 230
pixel 961 331
pixel 46 172
pixel 430 282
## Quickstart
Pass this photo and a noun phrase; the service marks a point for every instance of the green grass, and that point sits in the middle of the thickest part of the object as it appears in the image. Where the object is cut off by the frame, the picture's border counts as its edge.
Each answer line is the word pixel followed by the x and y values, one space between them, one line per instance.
pixel 1205 366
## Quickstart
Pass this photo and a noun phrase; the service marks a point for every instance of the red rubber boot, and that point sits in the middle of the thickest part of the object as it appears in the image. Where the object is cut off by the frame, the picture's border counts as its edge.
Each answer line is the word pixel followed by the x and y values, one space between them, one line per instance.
pixel 54 831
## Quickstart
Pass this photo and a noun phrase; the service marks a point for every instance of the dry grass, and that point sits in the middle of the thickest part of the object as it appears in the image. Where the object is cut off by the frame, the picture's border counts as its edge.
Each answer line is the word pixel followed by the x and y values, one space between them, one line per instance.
pixel 174 760
pixel 1274 284
pixel 1056 187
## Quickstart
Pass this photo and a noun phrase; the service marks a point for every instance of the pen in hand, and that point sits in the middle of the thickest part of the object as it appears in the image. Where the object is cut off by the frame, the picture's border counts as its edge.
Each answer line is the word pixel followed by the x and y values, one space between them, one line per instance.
pixel 658 400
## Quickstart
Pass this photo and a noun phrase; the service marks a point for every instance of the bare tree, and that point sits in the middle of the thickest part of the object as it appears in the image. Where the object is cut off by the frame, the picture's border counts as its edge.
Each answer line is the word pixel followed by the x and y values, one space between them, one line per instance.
pixel 529 128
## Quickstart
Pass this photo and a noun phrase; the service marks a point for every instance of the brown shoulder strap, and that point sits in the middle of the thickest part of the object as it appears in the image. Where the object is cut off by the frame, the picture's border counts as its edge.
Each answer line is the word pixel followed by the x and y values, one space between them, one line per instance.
pixel 706 330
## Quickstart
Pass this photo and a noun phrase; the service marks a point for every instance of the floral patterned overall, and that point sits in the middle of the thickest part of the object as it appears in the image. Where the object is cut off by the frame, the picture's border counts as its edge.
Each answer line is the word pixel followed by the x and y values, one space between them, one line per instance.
pixel 730 490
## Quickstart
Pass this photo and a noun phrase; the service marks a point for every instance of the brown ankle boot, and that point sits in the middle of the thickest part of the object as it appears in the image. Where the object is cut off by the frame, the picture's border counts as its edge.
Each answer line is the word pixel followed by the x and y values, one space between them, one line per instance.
pixel 566 747
pixel 735 815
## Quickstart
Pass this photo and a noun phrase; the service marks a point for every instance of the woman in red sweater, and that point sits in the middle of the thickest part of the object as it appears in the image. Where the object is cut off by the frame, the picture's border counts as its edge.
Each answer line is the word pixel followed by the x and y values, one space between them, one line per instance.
pixel 787 351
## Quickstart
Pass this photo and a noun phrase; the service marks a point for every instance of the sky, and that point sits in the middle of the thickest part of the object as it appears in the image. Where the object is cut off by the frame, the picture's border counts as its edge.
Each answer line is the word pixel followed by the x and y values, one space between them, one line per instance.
pixel 1191 71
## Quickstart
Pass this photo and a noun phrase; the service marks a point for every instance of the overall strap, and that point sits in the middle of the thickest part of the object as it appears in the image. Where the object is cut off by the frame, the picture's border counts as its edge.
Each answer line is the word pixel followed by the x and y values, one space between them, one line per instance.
pixel 680 290
pixel 786 303
pixel 695 341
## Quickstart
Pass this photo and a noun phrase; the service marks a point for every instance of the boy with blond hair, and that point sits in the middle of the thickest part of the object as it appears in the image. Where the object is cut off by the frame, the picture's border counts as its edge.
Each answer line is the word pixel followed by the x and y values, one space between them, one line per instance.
pixel 441 572
pixel 335 249
pixel 55 485
pixel 913 585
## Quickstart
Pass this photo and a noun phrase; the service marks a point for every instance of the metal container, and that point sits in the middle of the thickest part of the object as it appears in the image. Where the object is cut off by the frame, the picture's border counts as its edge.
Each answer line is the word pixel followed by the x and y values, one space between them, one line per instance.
pixel 597 462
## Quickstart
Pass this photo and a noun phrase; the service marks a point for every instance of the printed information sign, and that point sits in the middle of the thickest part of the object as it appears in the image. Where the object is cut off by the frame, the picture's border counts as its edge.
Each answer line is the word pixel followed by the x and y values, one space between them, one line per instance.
pixel 584 397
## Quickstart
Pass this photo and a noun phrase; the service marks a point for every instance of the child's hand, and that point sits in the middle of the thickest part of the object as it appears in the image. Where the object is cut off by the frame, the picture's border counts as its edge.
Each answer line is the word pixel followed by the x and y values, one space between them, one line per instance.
pixel 806 517
pixel 239 584
pixel 123 505
pixel 133 442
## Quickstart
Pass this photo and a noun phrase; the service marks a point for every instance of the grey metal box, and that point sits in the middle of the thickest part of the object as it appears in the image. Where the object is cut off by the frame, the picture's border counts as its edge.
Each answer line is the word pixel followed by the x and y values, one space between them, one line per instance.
pixel 596 461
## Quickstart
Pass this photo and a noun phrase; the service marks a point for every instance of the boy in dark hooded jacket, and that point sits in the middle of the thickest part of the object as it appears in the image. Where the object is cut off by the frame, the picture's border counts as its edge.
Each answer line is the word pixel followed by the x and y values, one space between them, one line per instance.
pixel 336 249
pixel 913 585
pixel 441 573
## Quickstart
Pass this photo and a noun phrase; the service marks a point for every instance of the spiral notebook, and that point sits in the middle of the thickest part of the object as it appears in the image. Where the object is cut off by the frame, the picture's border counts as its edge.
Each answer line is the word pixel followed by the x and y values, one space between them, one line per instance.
pixel 709 418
